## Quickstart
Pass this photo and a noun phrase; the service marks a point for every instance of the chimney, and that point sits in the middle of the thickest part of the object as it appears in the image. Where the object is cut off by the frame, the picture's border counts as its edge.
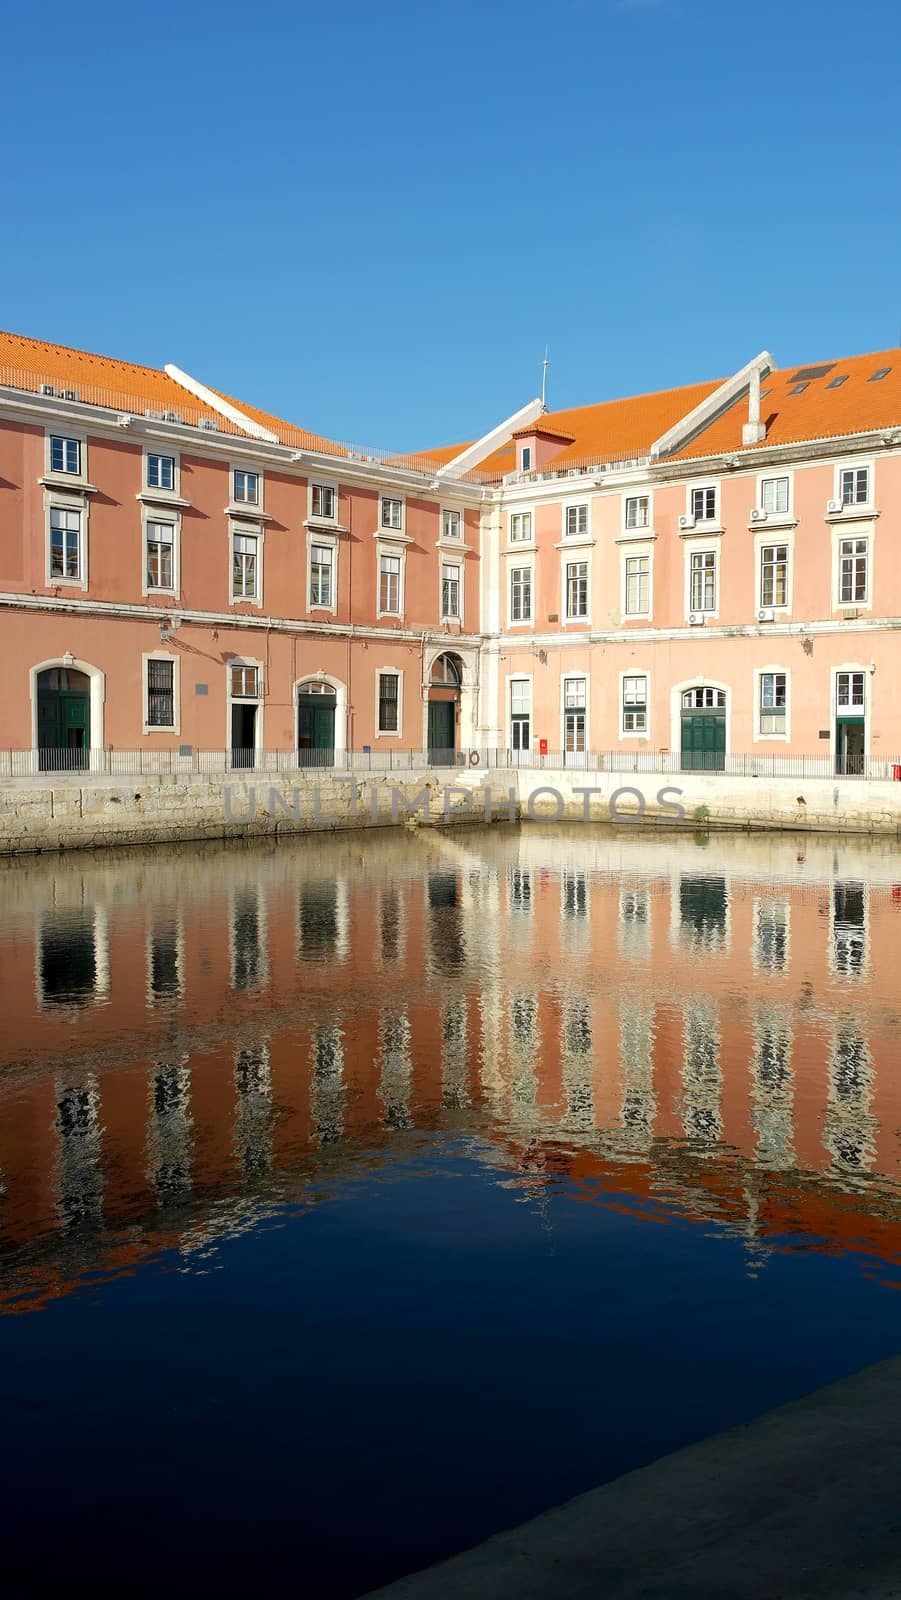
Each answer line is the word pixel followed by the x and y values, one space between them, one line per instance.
pixel 753 431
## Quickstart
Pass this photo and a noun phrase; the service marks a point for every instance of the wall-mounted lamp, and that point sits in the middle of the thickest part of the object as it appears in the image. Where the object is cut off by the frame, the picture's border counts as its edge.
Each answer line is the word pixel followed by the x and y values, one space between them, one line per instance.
pixel 68 659
pixel 872 666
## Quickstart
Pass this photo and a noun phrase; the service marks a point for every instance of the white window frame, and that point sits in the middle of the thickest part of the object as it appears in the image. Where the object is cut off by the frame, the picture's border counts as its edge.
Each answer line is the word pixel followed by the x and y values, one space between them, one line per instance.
pixel 317 517
pixel 580 559
pixel 856 508
pixel 585 677
pixel 248 508
pixel 775 535
pixel 396 553
pixel 322 540
pixel 244 530
pixel 705 523
pixel 759 674
pixel 638 529
pixel 641 735
pixel 394 672
pixel 836 672
pixel 527 679
pixel 55 501
pixel 392 527
pixel 520 515
pixel 632 551
pixel 516 566
pixel 447 616
pixel 172 519
pixel 579 533
pixel 702 546
pixel 67 480
pixel 852 529
pixel 775 474
pixel 452 538
pixel 174 728
pixel 162 453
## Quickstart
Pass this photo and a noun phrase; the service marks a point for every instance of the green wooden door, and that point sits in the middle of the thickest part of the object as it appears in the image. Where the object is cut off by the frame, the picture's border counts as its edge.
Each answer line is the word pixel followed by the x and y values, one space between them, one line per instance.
pixel 703 741
pixel 441 732
pixel 850 745
pixel 64 729
pixel 316 730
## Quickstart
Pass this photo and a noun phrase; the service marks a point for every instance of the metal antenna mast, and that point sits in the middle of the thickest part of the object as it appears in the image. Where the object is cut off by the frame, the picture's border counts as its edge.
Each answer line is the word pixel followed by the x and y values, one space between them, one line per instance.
pixel 544 366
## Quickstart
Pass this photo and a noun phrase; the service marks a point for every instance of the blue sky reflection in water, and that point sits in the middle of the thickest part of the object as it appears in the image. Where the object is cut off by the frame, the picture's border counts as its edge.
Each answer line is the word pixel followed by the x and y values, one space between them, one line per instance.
pixel 360 1202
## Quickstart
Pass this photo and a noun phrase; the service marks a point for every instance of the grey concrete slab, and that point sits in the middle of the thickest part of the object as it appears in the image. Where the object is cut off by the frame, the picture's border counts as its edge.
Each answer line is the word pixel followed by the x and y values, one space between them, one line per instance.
pixel 804 1503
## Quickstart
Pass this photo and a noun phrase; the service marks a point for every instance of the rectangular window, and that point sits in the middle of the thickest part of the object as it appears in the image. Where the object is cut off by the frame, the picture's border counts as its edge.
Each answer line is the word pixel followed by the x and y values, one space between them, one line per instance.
pixel 521 594
pixel 577 589
pixel 774 575
pixel 160 694
pixel 703 504
pixel 525 460
pixel 773 702
pixel 160 549
pixel 389 585
pixel 574 701
pixel 576 520
pixel 638 591
pixel 853 573
pixel 324 502
pixel 65 455
pixel 160 472
pixel 849 689
pixel 392 513
pixel 855 486
pixel 635 703
pixel 65 543
pixel 638 511
pixel 703 580
pixel 520 714
pixel 245 683
pixel 246 488
pixel 389 702
pixel 321 563
pixel 774 495
pixel 450 592
pixel 244 566
pixel 451 525
pixel 520 527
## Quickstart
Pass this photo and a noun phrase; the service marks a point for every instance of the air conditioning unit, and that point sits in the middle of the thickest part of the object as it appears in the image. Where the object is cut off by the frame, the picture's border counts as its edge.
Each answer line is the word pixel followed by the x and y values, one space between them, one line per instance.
pixel 696 619
pixel 208 424
pixel 758 514
pixel 171 416
pixel 765 614
pixel 154 416
pixel 69 394
pixel 850 613
pixel 686 522
pixel 47 388
pixel 833 507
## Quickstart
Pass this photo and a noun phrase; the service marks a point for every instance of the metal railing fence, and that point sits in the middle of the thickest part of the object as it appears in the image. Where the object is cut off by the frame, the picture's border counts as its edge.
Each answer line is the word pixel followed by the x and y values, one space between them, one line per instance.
pixel 44 764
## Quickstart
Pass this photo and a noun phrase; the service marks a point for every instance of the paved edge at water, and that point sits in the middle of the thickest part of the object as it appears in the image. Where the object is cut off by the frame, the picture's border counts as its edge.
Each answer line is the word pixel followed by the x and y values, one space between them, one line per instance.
pixel 804 1503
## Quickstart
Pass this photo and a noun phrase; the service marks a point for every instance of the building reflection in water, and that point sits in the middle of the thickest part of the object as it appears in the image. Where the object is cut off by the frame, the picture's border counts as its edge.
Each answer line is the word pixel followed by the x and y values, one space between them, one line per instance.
pixel 395 1068
pixel 539 995
pixel 170 1131
pixel 254 1115
pixel 79 1153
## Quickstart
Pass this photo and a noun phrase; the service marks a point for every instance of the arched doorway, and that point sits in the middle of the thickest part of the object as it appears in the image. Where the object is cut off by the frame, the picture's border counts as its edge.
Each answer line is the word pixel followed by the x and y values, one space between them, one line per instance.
pixel 703 718
pixel 317 704
pixel 445 685
pixel 63 719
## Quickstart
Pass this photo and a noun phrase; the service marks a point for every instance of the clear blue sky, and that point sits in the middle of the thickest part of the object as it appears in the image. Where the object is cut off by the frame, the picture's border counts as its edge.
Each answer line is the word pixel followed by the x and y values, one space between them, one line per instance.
pixel 371 218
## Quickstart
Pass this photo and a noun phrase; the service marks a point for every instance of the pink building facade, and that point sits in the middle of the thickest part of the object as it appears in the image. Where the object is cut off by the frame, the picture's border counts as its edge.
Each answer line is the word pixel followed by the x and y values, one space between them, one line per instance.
pixel 698 574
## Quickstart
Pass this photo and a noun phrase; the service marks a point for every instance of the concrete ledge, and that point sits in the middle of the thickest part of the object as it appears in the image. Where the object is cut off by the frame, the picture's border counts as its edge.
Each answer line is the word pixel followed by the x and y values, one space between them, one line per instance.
pixel 802 1504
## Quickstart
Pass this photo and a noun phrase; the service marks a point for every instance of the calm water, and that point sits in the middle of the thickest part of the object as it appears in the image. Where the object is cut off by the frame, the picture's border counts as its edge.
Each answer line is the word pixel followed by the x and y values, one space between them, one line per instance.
pixel 358 1200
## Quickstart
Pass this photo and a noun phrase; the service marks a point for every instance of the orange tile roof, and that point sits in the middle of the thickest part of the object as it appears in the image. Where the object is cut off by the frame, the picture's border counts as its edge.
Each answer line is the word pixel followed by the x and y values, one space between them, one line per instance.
pixel 286 432
pixel 819 412
pixel 603 432
pixel 98 380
